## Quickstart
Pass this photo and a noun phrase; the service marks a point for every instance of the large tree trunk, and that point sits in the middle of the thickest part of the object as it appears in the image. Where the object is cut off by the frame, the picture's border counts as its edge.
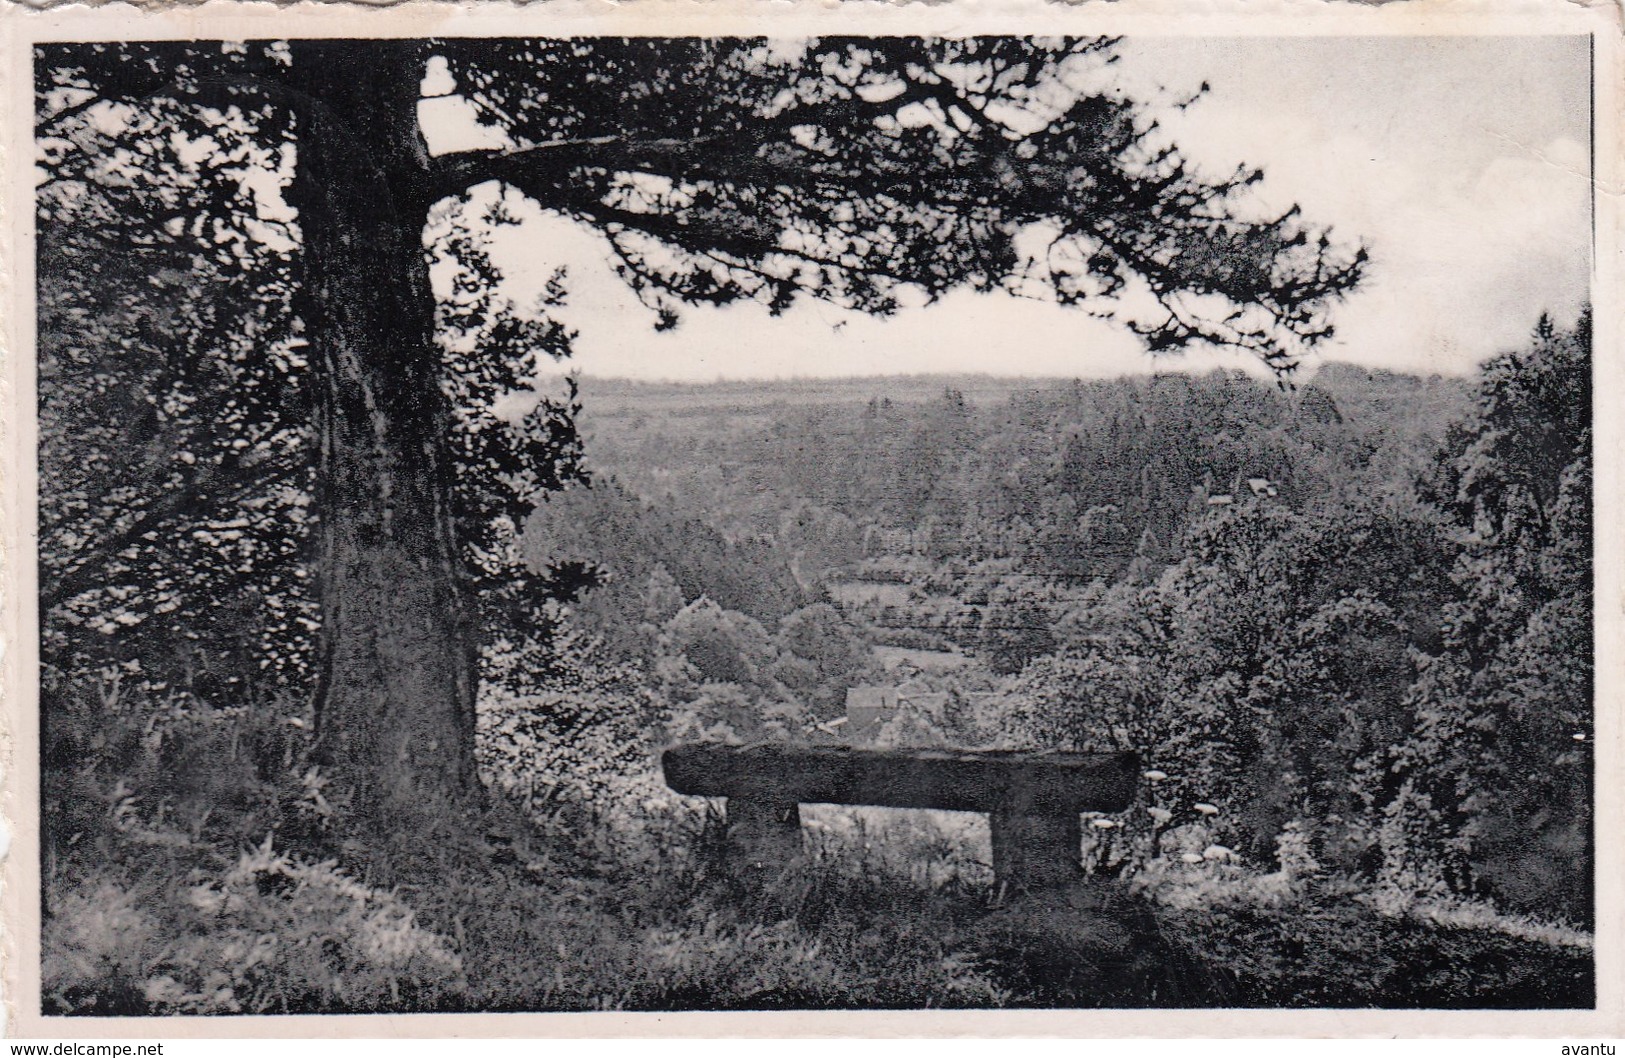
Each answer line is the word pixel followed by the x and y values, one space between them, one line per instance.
pixel 395 697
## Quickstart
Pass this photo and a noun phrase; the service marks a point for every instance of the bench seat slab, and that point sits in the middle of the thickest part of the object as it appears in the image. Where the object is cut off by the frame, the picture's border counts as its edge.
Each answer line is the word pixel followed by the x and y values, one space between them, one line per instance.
pixel 1033 799
pixel 1018 783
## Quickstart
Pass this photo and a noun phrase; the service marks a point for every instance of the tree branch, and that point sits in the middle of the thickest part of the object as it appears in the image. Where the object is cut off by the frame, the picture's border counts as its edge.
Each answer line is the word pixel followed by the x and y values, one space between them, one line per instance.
pixel 543 164
pixel 84 576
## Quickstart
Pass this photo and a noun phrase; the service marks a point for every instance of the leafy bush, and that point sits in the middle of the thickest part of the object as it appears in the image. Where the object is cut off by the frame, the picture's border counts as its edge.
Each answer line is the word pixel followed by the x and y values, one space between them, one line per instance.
pixel 567 731
pixel 1407 678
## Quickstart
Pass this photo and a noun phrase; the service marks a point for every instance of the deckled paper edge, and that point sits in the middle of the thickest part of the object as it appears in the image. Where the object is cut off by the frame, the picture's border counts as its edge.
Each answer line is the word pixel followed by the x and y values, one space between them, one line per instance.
pixel 19 766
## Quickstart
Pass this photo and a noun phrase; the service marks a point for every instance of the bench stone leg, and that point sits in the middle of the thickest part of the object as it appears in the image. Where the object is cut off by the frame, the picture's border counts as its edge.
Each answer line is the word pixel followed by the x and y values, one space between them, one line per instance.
pixel 1036 851
pixel 763 836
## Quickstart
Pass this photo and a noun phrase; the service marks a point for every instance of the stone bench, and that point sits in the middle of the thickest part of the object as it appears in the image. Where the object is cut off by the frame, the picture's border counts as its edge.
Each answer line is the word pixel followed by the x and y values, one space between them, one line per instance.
pixel 1033 799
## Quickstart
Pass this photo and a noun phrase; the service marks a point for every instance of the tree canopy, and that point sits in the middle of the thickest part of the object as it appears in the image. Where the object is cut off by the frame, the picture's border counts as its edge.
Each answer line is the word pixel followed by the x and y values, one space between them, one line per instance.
pixel 870 172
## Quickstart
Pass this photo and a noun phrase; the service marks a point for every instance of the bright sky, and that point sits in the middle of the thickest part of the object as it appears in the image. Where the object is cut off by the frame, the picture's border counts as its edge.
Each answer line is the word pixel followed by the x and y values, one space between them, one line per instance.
pixel 1462 163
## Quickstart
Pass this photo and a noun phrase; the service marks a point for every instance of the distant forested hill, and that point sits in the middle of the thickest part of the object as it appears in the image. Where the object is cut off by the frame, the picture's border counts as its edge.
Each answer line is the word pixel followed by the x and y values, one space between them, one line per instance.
pixel 796 480
pixel 965 514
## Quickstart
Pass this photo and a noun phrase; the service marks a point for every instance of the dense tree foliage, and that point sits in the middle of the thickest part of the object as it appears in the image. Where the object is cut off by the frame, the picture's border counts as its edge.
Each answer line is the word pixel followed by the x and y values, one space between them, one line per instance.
pixel 174 423
pixel 1408 682
pixel 1500 764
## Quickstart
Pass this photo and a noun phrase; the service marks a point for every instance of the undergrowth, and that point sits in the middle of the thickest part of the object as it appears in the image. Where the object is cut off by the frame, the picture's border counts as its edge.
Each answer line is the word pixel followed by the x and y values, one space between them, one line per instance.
pixel 198 863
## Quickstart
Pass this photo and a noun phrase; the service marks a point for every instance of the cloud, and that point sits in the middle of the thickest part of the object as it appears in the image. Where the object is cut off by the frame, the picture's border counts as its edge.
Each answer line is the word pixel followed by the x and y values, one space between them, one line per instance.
pixel 1464 264
pixel 1474 224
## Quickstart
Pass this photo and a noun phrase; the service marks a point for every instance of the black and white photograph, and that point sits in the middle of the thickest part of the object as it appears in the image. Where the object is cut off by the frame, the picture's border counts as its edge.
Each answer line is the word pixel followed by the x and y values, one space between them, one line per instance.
pixel 807 517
